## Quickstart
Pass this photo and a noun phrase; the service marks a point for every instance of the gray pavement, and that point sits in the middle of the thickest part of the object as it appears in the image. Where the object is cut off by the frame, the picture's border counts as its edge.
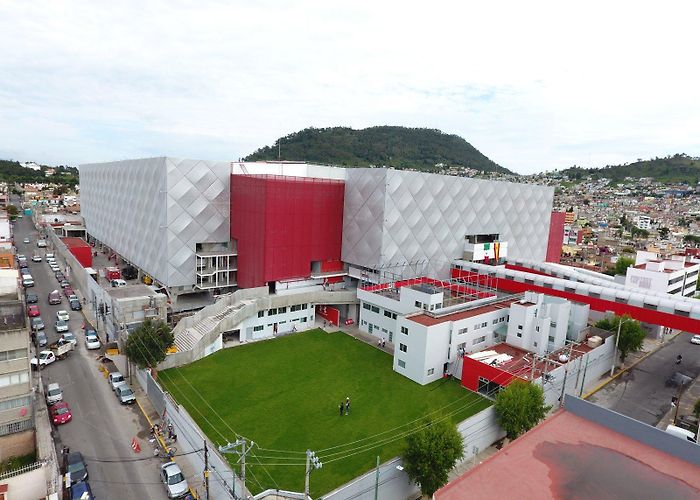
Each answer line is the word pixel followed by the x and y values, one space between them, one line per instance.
pixel 641 392
pixel 101 428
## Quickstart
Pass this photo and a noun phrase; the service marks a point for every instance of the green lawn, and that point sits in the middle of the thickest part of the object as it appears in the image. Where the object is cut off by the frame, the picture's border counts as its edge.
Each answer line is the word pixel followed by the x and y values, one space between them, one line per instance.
pixel 284 395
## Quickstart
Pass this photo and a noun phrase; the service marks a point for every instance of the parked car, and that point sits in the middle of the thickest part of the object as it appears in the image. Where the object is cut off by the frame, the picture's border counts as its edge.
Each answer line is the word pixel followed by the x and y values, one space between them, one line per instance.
pixel 55 297
pixel 50 256
pixel 25 271
pixel 81 491
pixel 54 393
pixel 61 326
pixel 32 298
pixel 62 315
pixel 41 339
pixel 76 467
pixel 36 258
pixel 37 323
pixel 64 283
pixel 92 342
pixel 59 276
pixel 21 257
pixel 129 273
pixel 54 267
pixel 115 378
pixel 68 291
pixel 75 305
pixel 695 339
pixel 26 240
pixel 60 413
pixel 124 394
pixel 33 311
pixel 174 480
pixel 118 283
pixel 22 264
pixel 41 243
pixel 28 281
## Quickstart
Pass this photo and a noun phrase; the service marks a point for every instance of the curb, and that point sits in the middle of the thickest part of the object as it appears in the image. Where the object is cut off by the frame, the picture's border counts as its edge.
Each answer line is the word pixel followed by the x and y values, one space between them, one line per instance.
pixel 610 379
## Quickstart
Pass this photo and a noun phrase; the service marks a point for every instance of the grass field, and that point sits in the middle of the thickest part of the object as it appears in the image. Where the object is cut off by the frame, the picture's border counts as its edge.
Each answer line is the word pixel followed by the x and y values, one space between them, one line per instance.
pixel 284 395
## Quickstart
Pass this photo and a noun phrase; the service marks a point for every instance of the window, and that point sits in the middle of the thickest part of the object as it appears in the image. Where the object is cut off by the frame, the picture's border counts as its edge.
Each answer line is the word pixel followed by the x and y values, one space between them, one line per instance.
pixel 303 320
pixel 14 378
pixel 364 322
pixel 404 330
pixel 14 403
pixel 495 321
pixel 384 330
pixel 483 325
pixel 550 338
pixel 418 304
pixel 553 324
pixel 501 320
pixel 258 328
pixel 13 354
pixel 462 331
pixel 479 340
pixel 375 309
pixel 297 307
pixel 282 310
pixel 537 328
pixel 261 314
pixel 304 306
pixel 431 371
pixel 389 314
pixel 520 327
pixel 477 326
pixel 403 348
pixel 272 311
pixel 438 305
pixel 401 363
pixel 535 344
pixel 15 427
pixel 365 305
pixel 519 335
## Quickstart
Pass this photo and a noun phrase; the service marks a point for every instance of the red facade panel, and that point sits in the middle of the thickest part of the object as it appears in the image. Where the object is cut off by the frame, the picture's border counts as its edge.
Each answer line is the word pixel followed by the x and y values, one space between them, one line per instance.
pixel 472 370
pixel 80 250
pixel 282 224
pixel 556 237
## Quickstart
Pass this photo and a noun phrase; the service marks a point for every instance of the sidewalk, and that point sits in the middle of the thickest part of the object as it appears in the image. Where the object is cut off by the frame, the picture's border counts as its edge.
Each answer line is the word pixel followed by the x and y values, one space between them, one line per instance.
pixel 687 400
pixel 354 331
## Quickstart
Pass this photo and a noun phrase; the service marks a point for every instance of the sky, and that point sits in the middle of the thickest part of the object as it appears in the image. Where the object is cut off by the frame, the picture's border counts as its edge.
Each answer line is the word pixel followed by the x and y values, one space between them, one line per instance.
pixel 534 85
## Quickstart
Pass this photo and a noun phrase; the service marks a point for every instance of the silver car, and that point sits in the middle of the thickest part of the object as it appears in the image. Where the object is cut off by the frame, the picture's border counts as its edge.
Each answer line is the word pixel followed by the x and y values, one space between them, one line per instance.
pixel 124 394
pixel 174 480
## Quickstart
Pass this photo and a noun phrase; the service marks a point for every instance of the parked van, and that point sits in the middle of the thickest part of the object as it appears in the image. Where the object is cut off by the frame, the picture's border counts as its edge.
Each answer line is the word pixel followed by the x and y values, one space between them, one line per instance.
pixel 681 433
pixel 27 281
pixel 118 283
pixel 55 297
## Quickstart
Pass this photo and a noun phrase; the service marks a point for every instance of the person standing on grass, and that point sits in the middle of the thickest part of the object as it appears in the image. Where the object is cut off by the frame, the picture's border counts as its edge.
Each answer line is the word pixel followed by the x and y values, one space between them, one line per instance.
pixel 341 408
pixel 347 405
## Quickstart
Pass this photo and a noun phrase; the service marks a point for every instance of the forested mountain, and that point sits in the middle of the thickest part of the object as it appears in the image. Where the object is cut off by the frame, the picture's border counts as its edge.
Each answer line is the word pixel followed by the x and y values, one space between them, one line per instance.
pixel 398 147
pixel 672 169
pixel 12 171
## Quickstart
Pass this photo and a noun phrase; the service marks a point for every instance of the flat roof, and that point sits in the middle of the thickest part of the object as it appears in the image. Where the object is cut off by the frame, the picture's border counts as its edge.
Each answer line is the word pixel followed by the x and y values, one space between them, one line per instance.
pixel 131 291
pixel 428 320
pixel 568 456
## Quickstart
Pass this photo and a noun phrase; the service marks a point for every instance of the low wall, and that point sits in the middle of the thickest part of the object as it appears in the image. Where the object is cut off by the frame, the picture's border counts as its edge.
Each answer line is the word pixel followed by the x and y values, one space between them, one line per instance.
pixel 27 485
pixel 17 444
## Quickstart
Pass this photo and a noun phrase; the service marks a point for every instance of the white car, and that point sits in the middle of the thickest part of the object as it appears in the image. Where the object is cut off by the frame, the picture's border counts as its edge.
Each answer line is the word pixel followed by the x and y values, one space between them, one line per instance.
pixel 61 326
pixel 26 240
pixel 62 315
pixel 174 480
pixel 54 394
pixel 92 342
pixel 69 337
pixel 695 339
pixel 36 258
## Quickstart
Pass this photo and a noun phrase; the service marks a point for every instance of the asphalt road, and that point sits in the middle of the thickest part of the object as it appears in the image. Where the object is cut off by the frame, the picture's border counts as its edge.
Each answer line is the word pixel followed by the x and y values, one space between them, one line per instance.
pixel 642 393
pixel 101 428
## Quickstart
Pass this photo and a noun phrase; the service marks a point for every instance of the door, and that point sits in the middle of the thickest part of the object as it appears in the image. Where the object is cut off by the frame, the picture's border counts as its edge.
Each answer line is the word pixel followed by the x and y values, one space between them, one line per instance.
pixel 370 328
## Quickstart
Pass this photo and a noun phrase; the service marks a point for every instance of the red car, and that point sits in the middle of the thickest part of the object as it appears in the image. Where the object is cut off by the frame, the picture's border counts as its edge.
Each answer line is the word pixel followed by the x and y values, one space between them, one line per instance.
pixel 68 291
pixel 33 311
pixel 60 413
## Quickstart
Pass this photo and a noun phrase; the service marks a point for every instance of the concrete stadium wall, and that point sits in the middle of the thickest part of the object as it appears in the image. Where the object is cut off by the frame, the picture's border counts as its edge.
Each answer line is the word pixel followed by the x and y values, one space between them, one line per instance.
pixel 191 438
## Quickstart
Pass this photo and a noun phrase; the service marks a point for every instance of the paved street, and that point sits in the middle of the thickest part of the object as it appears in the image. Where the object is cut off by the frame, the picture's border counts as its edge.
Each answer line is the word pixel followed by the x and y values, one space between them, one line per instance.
pixel 101 428
pixel 641 392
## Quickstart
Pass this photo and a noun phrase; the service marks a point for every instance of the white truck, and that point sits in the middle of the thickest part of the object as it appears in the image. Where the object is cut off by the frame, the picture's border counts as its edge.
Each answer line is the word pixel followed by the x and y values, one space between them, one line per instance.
pixel 59 350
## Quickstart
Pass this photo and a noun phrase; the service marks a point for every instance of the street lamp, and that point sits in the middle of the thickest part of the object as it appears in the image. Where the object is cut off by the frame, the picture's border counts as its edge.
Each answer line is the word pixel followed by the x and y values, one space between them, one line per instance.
pixel 617 341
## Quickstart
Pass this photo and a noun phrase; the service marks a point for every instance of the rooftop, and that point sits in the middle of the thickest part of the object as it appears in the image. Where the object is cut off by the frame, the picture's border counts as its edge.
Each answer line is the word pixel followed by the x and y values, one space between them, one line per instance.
pixel 131 291
pixel 569 456
pixel 430 319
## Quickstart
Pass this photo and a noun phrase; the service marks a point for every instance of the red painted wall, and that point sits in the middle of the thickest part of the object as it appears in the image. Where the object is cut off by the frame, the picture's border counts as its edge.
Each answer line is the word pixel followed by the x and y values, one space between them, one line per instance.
pixel 80 249
pixel 473 369
pixel 330 313
pixel 556 237
pixel 639 313
pixel 282 224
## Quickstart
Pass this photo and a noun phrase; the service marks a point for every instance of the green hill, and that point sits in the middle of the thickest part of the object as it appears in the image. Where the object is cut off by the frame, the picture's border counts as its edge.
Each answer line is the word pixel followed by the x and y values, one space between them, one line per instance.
pixel 398 147
pixel 678 168
pixel 12 171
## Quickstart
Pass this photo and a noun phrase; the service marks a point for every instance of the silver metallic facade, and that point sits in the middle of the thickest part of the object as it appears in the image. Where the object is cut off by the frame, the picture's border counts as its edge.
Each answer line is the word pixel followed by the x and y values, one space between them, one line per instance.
pixel 394 218
pixel 153 211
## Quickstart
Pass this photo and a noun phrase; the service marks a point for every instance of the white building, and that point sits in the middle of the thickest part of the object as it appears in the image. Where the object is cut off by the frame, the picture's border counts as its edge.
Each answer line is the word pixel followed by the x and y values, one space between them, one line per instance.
pixel 643 222
pixel 676 276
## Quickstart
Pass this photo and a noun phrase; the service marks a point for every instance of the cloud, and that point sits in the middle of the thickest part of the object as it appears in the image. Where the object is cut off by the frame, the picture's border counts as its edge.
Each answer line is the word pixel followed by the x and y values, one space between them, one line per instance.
pixel 534 86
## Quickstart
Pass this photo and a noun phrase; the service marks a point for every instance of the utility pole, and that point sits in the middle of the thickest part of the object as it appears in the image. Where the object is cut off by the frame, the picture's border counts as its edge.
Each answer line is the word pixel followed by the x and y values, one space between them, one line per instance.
pixel 232 448
pixel 312 462
pixel 206 471
pixel 376 481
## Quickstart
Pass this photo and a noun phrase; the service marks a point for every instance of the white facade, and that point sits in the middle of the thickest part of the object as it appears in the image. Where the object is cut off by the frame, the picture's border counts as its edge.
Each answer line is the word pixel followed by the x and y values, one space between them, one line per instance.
pixel 154 211
pixel 643 222
pixel 395 218
pixel 276 321
pixel 677 276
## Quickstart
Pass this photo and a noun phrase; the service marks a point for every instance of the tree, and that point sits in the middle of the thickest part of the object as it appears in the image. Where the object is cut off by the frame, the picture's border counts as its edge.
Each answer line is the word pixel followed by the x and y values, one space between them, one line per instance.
pixel 696 409
pixel 631 334
pixel 622 264
pixel 520 407
pixel 147 345
pixel 663 233
pixel 431 453
pixel 12 211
